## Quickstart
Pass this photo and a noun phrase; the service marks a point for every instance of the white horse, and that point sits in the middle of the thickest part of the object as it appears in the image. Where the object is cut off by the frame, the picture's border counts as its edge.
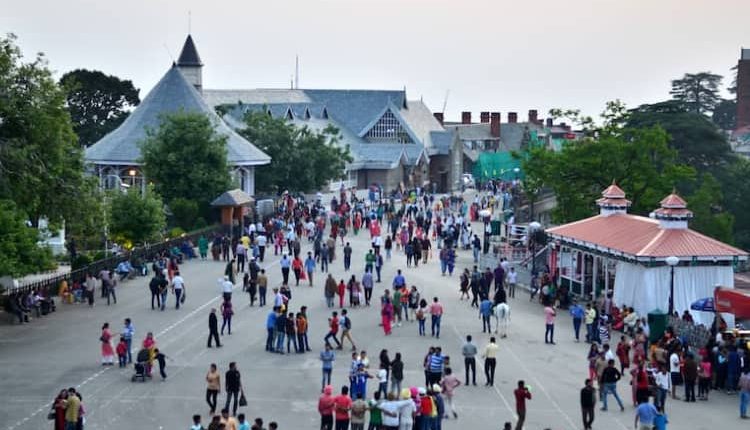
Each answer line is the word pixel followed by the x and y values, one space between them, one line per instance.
pixel 501 312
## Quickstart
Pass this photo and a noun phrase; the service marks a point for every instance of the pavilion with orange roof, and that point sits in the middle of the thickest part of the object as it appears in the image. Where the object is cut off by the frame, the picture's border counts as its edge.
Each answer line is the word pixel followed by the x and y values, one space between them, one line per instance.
pixel 628 255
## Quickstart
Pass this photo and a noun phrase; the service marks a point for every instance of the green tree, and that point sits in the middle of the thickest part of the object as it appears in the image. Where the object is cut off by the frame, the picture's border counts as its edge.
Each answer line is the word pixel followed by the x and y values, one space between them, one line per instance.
pixel 639 159
pixel 135 219
pixel 41 164
pixel 185 213
pixel 187 159
pixel 20 254
pixel 301 159
pixel 87 229
pixel 709 217
pixel 725 115
pixel 699 92
pixel 735 187
pixel 697 140
pixel 97 103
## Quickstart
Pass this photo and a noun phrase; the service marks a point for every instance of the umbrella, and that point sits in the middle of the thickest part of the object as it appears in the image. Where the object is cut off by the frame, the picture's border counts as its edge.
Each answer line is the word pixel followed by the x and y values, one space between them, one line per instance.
pixel 704 305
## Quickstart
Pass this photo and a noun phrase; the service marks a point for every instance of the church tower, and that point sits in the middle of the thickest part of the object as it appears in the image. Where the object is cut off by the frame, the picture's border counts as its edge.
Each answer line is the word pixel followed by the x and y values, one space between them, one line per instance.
pixel 190 64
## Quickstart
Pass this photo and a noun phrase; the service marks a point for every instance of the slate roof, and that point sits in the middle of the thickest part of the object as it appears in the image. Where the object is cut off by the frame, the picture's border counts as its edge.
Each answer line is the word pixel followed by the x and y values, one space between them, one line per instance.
pixel 353 112
pixel 189 55
pixel 442 142
pixel 171 94
pixel 235 197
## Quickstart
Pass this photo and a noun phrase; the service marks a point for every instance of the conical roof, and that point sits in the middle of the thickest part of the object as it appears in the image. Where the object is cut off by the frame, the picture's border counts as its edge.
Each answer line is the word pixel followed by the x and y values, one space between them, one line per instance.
pixel 171 94
pixel 189 55
pixel 673 207
pixel 613 197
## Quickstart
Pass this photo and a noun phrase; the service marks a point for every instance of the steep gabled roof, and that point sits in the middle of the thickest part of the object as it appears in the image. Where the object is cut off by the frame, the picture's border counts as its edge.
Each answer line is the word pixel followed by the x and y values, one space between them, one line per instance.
pixel 171 94
pixel 189 55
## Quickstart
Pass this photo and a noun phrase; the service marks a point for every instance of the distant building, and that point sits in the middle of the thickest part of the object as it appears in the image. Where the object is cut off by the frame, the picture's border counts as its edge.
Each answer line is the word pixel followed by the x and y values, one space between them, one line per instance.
pixel 115 157
pixel 741 135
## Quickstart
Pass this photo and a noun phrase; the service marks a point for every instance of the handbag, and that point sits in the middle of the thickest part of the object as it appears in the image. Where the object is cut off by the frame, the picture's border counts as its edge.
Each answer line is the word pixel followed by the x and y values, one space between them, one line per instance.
pixel 182 299
pixel 51 415
pixel 243 400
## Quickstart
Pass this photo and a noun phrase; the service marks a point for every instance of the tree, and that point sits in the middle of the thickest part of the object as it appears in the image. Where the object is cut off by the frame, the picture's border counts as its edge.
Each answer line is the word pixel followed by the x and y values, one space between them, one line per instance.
pixel 709 217
pixel 699 92
pixel 301 159
pixel 97 103
pixel 639 159
pixel 697 140
pixel 134 218
pixel 20 254
pixel 736 189
pixel 725 115
pixel 86 230
pixel 41 165
pixel 186 158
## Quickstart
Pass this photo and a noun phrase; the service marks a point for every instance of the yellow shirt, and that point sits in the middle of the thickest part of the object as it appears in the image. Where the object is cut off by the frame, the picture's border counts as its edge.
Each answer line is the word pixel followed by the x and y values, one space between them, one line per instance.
pixel 72 408
pixel 245 241
pixel 490 351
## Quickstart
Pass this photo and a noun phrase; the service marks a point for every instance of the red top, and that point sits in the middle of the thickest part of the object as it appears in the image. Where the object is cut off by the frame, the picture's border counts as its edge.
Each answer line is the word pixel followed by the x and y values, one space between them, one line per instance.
pixel 521 395
pixel 342 404
pixel 297 264
pixel 335 325
pixel 325 404
pixel 425 406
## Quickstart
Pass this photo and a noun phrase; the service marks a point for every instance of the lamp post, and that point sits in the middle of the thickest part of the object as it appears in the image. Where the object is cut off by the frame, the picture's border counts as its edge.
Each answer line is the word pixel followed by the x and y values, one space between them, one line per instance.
pixel 533 228
pixel 671 261
pixel 132 173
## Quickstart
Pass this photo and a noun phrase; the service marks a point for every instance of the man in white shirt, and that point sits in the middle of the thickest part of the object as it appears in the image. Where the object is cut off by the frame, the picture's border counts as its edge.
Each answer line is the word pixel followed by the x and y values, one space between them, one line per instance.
pixel 178 288
pixel 262 240
pixel 226 288
pixel 674 371
pixel 664 385
pixel 512 276
pixel 608 354
pixel 394 409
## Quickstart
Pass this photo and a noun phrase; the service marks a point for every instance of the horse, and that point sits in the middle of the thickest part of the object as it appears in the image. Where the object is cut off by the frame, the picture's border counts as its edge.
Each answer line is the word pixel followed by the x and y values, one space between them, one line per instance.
pixel 501 312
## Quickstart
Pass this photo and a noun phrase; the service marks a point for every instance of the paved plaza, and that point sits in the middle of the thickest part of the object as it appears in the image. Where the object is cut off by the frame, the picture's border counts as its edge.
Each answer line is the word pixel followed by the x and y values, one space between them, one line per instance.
pixel 63 350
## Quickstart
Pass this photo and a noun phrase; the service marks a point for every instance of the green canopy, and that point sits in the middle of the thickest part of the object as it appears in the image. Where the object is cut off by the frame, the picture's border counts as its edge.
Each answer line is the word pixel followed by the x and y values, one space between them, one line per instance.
pixel 496 165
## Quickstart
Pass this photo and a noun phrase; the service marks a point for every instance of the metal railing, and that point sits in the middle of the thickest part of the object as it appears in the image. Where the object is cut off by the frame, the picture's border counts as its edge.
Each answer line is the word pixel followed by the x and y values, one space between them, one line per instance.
pixel 50 285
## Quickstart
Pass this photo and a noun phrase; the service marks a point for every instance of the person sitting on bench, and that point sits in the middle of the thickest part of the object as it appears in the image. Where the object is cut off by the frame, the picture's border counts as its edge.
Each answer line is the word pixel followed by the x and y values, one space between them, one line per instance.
pixel 125 270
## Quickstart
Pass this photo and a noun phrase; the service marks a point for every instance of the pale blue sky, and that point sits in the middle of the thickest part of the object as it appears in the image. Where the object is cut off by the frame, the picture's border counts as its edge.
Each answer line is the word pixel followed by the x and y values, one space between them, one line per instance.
pixel 491 55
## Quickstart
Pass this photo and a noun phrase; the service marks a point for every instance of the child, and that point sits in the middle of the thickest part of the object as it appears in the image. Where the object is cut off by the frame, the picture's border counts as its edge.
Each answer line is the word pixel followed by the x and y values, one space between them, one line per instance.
pixel 162 360
pixel 196 423
pixel 244 425
pixel 273 426
pixel 661 420
pixel 122 352
pixel 383 380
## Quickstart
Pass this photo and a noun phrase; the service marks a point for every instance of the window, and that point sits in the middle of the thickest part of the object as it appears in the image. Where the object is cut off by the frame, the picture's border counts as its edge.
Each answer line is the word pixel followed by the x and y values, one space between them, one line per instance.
pixel 388 128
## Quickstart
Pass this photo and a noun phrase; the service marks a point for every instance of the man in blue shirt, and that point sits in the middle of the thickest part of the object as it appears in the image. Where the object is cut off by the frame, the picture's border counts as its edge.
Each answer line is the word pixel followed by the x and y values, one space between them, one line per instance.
pixel 485 311
pixel 399 280
pixel 576 311
pixel 645 415
pixel 270 326
pixel 327 356
pixel 310 267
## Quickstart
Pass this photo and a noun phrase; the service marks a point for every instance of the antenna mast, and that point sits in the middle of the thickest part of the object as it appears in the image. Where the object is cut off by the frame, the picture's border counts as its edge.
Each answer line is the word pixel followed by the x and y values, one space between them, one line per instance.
pixel 445 100
pixel 296 72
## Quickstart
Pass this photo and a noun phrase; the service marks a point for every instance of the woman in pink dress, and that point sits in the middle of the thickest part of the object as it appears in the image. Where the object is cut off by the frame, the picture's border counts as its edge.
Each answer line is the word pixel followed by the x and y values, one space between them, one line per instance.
pixel 149 343
pixel 108 353
pixel 387 315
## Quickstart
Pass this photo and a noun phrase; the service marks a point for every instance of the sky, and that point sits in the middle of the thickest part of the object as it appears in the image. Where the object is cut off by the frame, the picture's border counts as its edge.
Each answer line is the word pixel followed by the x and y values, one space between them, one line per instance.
pixel 484 55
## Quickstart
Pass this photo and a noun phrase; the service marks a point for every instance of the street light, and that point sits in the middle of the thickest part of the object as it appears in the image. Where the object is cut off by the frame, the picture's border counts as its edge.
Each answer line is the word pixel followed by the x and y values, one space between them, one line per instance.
pixel 671 261
pixel 132 173
pixel 533 227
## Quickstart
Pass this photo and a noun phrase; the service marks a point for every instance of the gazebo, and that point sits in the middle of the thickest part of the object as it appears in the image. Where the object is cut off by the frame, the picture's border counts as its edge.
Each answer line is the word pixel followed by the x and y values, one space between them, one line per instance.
pixel 646 262
pixel 234 205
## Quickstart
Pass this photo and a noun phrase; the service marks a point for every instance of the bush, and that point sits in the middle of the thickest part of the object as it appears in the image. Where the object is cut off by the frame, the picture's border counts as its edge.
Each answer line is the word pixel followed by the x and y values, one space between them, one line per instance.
pixel 176 232
pixel 184 213
pixel 81 260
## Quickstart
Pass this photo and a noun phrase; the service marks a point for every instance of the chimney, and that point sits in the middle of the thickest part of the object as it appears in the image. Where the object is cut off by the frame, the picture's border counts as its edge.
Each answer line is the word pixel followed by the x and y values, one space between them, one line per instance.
pixel 495 124
pixel 439 117
pixel 465 117
pixel 484 117
pixel 550 122
pixel 533 116
pixel 512 117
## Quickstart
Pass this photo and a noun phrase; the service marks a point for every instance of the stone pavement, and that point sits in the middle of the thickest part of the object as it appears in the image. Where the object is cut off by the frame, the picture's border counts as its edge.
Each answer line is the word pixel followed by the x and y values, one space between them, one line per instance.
pixel 62 350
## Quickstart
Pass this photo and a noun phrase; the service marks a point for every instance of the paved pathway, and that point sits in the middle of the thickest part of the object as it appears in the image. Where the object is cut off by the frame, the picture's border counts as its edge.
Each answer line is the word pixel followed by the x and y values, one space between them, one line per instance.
pixel 62 350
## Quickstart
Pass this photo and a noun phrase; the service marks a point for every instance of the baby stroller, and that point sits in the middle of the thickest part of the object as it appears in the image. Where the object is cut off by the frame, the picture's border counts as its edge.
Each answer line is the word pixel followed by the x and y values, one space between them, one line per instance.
pixel 140 366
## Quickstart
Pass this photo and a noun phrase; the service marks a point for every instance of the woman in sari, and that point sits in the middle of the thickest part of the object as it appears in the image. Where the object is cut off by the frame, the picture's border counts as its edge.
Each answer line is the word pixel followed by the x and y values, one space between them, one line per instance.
pixel 108 354
pixel 58 407
pixel 149 343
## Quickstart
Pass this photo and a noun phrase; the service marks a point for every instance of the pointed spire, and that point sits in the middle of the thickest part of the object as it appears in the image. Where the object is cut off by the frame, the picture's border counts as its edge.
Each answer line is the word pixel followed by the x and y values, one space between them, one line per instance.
pixel 613 200
pixel 189 55
pixel 673 212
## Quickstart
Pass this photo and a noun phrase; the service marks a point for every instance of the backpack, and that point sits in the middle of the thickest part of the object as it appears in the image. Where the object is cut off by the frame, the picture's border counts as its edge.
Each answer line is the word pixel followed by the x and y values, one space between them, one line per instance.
pixel 420 314
pixel 348 323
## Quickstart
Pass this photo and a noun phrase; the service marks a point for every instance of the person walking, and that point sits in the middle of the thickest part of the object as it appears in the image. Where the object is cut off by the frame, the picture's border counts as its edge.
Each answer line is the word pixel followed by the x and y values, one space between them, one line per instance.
pixel 588 403
pixel 489 355
pixel 111 287
pixel 449 384
pixel 386 314
pixel 271 329
pixel 645 414
pixel 436 311
pixel 213 386
pixel 691 377
pixel 333 329
pixel 421 316
pixel 213 329
pixel 549 320
pixel 744 385
pixel 577 312
pixel 469 351
pixel 512 280
pixel 233 386
pixel 226 316
pixel 178 288
pixel 346 324
pixel 485 311
pixel 610 376
pixel 310 268
pixel 347 257
pixel 397 373
pixel 367 285
pixel 226 287
pixel 262 287
pixel 285 264
pixel 522 393
pixel 329 290
pixel 327 357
